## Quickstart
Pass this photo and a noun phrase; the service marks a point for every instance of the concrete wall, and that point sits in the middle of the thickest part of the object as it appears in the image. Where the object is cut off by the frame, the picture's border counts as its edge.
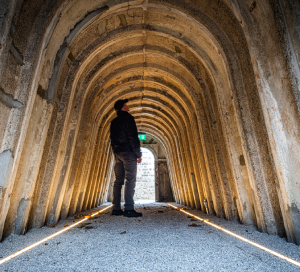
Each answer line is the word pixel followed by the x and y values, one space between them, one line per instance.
pixel 216 83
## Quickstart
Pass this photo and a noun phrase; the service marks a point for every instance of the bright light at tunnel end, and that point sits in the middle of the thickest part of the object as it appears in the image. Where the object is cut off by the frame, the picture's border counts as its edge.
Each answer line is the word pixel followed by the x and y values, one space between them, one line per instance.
pixel 50 237
pixel 239 237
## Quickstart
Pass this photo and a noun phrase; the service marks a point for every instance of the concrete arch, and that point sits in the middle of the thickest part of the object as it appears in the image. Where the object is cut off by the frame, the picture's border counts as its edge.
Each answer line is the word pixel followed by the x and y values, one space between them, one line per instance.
pixel 195 80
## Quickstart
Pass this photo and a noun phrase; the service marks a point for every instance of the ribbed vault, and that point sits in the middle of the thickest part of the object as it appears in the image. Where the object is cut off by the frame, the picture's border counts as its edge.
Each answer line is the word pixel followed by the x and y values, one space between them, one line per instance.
pixel 186 68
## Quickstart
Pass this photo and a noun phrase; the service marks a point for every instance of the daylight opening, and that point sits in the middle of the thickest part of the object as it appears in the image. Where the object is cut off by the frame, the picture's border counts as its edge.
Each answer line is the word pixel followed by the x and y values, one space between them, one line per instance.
pixel 145 179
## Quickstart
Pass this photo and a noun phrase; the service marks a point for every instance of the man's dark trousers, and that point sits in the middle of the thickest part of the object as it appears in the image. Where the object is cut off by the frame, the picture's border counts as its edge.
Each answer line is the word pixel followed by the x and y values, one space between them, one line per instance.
pixel 125 168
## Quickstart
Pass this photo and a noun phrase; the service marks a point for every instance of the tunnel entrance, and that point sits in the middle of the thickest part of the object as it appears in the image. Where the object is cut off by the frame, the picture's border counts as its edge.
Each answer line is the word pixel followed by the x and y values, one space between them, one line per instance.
pixel 145 179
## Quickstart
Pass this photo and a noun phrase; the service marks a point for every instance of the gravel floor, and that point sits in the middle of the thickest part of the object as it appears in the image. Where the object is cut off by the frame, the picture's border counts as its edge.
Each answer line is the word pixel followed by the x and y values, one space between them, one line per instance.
pixel 159 241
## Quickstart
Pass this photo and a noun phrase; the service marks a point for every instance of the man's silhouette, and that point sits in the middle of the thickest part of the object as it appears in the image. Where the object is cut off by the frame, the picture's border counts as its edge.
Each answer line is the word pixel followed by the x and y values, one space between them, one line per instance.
pixel 126 147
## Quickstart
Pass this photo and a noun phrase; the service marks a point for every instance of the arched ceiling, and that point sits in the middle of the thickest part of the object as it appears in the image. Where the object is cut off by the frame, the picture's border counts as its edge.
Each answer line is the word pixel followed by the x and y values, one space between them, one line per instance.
pixel 195 81
pixel 156 56
pixel 173 62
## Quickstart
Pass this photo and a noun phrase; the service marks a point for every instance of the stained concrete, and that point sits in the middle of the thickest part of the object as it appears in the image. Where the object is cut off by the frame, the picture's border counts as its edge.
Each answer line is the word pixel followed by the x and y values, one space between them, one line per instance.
pixel 4 164
pixel 7 100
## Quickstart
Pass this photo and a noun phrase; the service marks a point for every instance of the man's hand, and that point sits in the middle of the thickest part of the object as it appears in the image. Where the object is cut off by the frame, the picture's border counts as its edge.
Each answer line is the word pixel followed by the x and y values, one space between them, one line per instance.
pixel 139 160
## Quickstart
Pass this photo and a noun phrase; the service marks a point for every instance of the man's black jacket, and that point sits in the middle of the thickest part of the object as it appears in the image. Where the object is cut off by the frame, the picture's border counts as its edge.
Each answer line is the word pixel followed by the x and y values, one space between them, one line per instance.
pixel 124 135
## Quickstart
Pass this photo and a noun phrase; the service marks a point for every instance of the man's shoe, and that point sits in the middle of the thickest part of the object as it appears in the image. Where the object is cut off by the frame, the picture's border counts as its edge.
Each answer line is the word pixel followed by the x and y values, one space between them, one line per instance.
pixel 132 213
pixel 117 212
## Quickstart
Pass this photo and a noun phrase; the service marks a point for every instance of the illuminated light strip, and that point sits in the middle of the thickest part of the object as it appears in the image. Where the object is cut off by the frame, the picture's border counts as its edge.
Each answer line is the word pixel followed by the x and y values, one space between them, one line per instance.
pixel 49 237
pixel 240 237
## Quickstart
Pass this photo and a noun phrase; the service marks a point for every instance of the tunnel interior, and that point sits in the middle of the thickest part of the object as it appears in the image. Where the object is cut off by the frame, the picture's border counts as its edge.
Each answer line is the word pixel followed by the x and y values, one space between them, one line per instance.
pixel 209 82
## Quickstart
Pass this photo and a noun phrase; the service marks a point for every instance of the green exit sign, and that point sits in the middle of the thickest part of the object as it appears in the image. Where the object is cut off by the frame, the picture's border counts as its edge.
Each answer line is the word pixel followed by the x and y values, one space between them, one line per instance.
pixel 142 136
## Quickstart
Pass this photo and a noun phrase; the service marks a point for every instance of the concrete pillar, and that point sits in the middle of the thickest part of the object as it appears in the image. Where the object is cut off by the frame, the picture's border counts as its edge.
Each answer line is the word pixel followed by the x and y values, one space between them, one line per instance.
pixel 195 191
pixel 23 190
pixel 187 193
pixel 165 193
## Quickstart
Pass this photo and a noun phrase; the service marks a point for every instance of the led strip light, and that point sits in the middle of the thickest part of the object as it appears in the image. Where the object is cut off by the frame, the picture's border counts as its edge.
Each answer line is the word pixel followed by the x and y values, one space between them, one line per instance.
pixel 50 237
pixel 240 237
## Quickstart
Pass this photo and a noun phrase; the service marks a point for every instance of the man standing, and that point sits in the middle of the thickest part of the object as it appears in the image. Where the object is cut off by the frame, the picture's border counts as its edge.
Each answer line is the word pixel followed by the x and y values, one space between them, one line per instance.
pixel 126 147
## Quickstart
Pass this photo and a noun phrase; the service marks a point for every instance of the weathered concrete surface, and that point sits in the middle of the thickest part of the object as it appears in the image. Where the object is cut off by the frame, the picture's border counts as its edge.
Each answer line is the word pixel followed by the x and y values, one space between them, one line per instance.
pixel 213 82
pixel 5 158
pixel 279 109
pixel 164 187
pixel 9 11
pixel 21 197
pixel 7 100
pixel 287 14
